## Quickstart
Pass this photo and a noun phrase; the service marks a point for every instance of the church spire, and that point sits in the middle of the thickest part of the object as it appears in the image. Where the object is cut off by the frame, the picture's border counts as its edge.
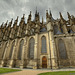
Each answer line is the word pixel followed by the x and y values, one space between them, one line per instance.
pixel 36 15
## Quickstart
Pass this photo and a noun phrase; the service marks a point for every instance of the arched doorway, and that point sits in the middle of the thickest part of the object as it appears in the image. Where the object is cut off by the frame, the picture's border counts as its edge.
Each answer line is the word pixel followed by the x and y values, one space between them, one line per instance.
pixel 44 62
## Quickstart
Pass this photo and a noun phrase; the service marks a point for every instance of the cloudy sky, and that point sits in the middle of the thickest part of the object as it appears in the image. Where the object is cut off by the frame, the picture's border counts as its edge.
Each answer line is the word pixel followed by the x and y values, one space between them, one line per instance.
pixel 13 8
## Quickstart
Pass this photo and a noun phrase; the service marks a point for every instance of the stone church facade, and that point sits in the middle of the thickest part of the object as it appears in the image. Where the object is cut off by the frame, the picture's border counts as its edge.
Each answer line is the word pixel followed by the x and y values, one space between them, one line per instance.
pixel 36 44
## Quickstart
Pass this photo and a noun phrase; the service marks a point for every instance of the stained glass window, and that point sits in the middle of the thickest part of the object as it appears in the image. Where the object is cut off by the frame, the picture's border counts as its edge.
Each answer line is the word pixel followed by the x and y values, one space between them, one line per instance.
pixel 44 47
pixel 62 49
pixel 31 48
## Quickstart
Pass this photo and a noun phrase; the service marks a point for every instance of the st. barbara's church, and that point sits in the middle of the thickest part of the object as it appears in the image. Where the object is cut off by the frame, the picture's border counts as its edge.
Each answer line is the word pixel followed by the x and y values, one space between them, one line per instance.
pixel 36 44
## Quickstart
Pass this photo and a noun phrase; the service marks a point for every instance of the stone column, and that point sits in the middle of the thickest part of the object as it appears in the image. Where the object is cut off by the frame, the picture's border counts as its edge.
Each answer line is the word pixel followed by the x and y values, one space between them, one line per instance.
pixel 52 46
pixel 23 54
pixel 12 57
pixel 53 51
pixel 2 62
pixel 48 51
pixel 35 51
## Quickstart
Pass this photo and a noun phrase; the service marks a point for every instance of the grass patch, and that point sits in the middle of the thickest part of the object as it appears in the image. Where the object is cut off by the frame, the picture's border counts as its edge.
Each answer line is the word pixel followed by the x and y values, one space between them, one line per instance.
pixel 7 70
pixel 59 73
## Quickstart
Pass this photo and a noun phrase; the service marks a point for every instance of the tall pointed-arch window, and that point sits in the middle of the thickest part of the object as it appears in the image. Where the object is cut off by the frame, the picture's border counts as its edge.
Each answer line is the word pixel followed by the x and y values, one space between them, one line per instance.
pixel 11 51
pixel 20 49
pixel 44 47
pixel 31 48
pixel 4 49
pixel 62 49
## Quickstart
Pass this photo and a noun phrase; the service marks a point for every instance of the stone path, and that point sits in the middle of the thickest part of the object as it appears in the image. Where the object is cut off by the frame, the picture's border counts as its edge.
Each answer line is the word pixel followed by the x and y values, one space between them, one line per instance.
pixel 35 72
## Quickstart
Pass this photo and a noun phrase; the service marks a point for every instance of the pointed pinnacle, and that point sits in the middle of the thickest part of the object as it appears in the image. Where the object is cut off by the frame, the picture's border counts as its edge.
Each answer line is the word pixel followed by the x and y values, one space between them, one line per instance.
pixel 60 15
pixel 68 15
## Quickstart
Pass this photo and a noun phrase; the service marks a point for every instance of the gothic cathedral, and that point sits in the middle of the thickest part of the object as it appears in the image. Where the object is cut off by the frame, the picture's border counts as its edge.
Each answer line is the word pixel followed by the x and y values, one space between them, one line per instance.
pixel 36 44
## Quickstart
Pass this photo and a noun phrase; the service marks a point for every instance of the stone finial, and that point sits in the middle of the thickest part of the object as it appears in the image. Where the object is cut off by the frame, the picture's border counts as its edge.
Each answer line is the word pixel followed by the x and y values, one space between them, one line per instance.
pixel 61 15
pixel 68 15
pixel 50 13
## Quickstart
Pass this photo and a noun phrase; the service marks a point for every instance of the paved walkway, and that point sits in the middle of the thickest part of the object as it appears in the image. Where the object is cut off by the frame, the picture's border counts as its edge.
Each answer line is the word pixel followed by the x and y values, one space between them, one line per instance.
pixel 35 72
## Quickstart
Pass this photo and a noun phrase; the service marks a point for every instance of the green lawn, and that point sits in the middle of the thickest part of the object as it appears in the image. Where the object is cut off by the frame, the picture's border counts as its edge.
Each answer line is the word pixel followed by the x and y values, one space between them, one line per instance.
pixel 6 70
pixel 59 73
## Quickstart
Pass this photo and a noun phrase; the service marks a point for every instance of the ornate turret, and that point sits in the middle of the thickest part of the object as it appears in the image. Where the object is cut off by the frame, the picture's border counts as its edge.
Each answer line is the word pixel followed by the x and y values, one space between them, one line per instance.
pixel 29 17
pixel 48 16
pixel 21 25
pixel 36 16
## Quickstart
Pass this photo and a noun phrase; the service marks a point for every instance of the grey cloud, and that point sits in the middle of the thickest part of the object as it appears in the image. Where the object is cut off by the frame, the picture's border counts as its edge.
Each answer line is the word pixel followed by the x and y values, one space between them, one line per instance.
pixel 13 8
